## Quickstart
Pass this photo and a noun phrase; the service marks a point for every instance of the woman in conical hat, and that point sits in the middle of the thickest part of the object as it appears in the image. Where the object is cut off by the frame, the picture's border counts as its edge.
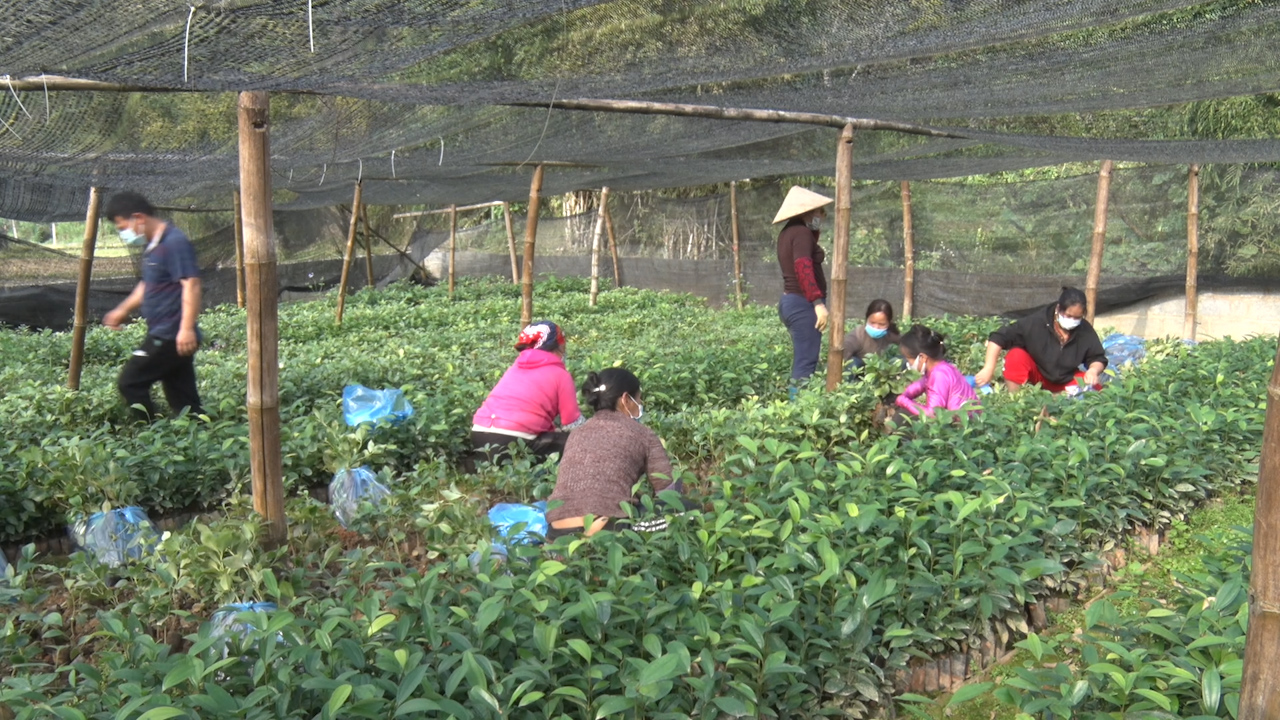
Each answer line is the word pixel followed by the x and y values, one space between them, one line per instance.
pixel 803 307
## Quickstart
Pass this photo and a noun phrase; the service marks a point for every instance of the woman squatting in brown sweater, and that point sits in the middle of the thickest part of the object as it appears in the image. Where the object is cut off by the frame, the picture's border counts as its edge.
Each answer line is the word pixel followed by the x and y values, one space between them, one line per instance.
pixel 604 459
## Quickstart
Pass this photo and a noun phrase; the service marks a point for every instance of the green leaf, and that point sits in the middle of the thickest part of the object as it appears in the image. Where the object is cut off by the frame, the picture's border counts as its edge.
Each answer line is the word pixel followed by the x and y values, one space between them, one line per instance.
pixel 581 647
pixel 969 692
pixel 490 610
pixel 417 705
pixel 732 706
pixel 1155 697
pixel 612 705
pixel 380 622
pixel 339 698
pixel 667 667
pixel 1211 689
pixel 162 713
pixel 181 673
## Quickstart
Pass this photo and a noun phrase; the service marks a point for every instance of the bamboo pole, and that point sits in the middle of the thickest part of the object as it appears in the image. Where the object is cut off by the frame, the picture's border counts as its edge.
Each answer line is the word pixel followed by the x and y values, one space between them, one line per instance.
pixel 451 208
pixel 595 246
pixel 737 256
pixel 530 238
pixel 840 256
pixel 511 242
pixel 453 244
pixel 748 114
pixel 82 288
pixel 368 246
pixel 239 240
pixel 1099 240
pixel 1260 682
pixel 908 254
pixel 613 247
pixel 263 397
pixel 1193 252
pixel 351 251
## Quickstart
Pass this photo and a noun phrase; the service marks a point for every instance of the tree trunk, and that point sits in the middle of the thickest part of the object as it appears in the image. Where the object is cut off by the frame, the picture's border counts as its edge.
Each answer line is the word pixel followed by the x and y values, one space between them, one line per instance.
pixel 1099 240
pixel 82 289
pixel 530 240
pixel 840 256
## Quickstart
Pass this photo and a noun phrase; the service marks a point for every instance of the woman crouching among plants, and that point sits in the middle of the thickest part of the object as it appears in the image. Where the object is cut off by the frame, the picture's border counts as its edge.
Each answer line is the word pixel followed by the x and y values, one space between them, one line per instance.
pixel 942 384
pixel 605 458
pixel 524 404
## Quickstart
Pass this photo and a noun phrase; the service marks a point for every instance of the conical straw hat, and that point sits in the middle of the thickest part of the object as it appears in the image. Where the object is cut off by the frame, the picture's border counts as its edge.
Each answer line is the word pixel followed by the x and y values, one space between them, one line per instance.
pixel 800 201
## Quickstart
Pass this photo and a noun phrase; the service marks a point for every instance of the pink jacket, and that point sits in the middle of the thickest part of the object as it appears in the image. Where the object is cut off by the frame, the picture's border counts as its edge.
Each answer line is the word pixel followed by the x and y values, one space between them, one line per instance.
pixel 946 389
pixel 532 392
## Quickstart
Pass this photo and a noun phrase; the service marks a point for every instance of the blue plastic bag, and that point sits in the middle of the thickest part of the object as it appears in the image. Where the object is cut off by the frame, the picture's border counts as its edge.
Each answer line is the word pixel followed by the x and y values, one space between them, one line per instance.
pixel 116 536
pixel 350 487
pixel 1122 351
pixel 366 405
pixel 497 553
pixel 228 628
pixel 973 383
pixel 505 516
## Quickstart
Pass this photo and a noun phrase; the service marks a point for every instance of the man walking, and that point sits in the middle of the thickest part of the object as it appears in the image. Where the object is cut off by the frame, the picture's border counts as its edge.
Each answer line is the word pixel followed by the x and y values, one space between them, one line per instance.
pixel 169 296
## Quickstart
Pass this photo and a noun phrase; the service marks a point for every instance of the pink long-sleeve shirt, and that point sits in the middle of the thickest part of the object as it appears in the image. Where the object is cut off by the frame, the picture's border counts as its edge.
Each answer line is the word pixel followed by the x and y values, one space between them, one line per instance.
pixel 945 388
pixel 526 401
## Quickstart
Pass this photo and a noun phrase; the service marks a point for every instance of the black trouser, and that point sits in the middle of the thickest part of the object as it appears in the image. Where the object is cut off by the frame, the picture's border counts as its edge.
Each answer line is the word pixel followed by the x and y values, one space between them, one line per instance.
pixel 157 360
pixel 496 447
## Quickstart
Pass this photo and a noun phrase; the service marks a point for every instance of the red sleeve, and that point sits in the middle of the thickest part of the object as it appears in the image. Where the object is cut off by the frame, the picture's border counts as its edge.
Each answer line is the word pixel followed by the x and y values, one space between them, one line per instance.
pixel 569 412
pixel 808 281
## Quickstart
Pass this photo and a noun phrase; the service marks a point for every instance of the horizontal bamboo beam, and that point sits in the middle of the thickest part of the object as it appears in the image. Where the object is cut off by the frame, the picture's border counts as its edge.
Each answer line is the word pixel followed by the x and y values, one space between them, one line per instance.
pixel 443 211
pixel 748 114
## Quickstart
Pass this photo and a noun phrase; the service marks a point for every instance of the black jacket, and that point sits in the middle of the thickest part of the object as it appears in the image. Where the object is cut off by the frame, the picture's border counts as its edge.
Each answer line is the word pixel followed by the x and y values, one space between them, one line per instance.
pixel 1058 362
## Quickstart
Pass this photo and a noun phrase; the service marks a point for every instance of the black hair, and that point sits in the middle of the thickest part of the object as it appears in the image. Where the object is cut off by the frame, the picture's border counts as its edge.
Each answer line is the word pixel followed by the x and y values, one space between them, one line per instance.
pixel 604 389
pixel 880 306
pixel 920 339
pixel 126 205
pixel 1071 297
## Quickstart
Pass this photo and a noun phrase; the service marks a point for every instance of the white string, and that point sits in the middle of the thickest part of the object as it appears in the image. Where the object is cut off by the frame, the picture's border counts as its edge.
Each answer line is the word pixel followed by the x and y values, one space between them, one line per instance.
pixel 290 175
pixel 186 43
pixel 323 170
pixel 311 33
pixel 393 164
pixel 360 170
pixel 545 125
pixel 45 80
pixel 15 96
pixel 9 127
pixel 441 150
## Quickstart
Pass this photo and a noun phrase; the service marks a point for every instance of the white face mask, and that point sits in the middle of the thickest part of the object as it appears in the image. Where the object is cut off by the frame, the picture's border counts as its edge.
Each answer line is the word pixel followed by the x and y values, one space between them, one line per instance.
pixel 918 364
pixel 815 223
pixel 1068 323
pixel 639 410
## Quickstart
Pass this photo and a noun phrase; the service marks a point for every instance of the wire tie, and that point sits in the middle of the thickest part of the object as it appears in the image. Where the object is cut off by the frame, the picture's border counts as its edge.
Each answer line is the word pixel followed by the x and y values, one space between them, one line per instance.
pixel 186 43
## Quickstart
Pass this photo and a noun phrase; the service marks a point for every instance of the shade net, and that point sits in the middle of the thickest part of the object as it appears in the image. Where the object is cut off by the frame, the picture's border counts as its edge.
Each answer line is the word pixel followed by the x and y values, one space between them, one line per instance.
pixel 411 96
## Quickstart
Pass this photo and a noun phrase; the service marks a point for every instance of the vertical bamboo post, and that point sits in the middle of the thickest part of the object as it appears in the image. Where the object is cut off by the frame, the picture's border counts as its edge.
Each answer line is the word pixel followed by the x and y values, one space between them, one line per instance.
pixel 263 314
pixel 1099 240
pixel 908 255
pixel 613 246
pixel 1259 697
pixel 840 256
pixel 737 256
pixel 82 288
pixel 238 224
pixel 511 242
pixel 595 246
pixel 530 238
pixel 351 251
pixel 368 246
pixel 453 244
pixel 1193 252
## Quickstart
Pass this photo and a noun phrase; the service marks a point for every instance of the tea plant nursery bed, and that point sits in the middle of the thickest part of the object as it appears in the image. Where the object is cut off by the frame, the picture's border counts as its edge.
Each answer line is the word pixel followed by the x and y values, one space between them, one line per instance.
pixel 827 566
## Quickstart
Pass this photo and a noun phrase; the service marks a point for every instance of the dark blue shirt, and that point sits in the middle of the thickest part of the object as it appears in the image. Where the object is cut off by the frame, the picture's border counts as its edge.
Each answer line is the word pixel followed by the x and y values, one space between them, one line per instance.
pixel 164 267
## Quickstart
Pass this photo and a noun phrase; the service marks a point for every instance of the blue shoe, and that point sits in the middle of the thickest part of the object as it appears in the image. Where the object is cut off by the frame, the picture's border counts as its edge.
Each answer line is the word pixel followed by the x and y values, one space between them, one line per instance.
pixel 792 393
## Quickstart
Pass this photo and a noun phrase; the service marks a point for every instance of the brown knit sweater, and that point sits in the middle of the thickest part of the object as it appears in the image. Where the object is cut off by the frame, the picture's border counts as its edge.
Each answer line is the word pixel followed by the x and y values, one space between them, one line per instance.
pixel 603 459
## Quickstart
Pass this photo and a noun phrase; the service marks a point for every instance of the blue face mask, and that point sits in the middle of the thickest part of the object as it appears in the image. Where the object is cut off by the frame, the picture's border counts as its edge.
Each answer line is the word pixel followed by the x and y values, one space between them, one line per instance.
pixel 875 332
pixel 131 238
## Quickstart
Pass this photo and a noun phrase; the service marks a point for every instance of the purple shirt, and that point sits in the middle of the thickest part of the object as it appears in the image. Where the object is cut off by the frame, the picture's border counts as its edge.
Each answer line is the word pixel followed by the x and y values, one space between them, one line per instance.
pixel 945 387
